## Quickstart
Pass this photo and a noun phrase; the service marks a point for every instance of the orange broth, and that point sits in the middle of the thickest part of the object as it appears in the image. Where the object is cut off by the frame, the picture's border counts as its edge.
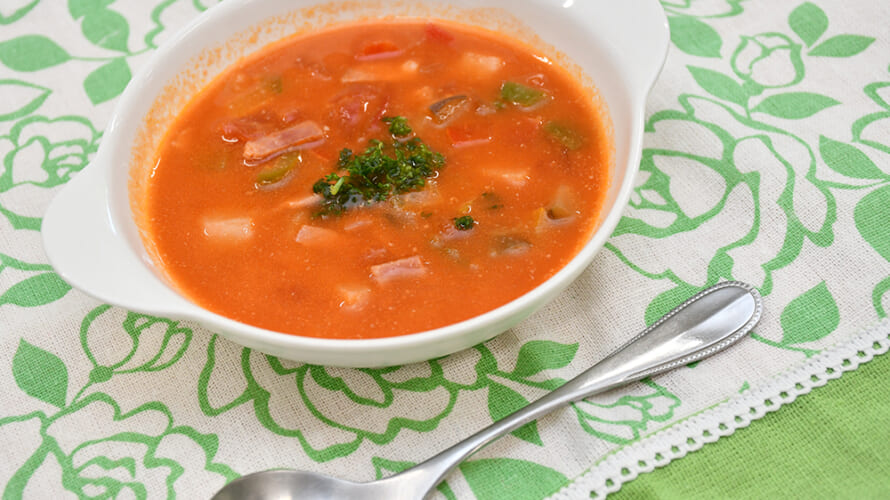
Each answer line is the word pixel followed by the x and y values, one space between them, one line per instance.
pixel 238 229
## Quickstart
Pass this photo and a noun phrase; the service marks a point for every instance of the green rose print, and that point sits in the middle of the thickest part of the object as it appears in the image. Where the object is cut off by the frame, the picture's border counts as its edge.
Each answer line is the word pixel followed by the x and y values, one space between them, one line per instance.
pixel 123 452
pixel 743 163
pixel 287 397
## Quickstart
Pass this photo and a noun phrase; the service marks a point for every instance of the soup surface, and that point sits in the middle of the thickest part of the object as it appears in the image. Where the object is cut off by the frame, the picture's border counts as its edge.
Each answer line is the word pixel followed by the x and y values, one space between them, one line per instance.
pixel 377 179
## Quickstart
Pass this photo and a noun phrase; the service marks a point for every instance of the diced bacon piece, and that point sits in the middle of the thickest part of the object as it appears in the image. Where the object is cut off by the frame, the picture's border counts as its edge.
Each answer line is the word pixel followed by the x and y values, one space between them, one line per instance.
pixel 409 267
pixel 303 134
pixel 379 50
pixel 463 136
pixel 234 229
pixel 314 236
pixel 353 296
pixel 359 107
pixel 473 63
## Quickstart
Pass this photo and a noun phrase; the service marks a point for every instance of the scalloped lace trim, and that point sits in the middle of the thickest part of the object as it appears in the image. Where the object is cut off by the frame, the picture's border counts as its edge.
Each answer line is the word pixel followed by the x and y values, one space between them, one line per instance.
pixel 691 434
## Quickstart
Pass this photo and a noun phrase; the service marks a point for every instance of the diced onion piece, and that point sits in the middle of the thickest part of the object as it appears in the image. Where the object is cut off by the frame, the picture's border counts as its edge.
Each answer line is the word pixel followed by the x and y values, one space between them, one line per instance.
pixel 510 244
pixel 516 176
pixel 303 202
pixel 303 134
pixel 314 236
pixel 353 296
pixel 563 205
pixel 233 229
pixel 409 267
pixel 473 63
pixel 409 66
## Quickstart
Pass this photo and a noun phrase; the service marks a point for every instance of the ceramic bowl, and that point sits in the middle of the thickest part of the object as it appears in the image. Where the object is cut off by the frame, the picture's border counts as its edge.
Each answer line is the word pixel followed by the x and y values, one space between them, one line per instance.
pixel 91 236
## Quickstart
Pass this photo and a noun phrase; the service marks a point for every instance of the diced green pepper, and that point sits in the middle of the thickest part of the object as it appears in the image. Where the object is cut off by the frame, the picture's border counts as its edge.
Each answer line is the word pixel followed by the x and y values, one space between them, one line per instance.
pixel 522 95
pixel 565 135
pixel 278 170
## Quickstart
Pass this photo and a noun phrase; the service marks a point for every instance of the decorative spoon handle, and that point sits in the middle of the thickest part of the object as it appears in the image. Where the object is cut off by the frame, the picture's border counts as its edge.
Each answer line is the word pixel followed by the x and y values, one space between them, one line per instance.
pixel 703 325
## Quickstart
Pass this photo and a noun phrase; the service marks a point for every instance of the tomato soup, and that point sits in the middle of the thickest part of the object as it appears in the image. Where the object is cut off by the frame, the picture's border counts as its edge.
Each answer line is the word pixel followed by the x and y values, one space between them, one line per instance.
pixel 377 179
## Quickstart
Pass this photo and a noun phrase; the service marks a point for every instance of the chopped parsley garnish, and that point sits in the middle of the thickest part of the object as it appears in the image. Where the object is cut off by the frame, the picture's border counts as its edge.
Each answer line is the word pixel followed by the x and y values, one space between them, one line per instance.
pixel 398 126
pixel 464 223
pixel 521 95
pixel 379 172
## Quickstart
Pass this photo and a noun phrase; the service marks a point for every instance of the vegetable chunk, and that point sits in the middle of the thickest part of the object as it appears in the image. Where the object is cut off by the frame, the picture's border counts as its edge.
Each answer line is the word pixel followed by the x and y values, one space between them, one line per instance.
pixel 409 267
pixel 304 134
pixel 233 230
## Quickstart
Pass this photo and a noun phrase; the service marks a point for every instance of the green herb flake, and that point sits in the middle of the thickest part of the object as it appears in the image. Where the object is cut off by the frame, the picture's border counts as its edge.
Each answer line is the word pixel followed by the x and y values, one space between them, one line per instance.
pixel 564 134
pixel 426 215
pixel 464 223
pixel 521 95
pixel 378 172
pixel 398 126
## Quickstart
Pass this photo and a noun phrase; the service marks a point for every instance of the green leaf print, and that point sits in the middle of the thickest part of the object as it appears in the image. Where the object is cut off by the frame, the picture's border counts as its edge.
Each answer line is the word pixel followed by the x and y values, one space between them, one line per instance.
pixel 870 216
pixel 22 98
pixel 108 81
pixel 842 46
pixel 36 291
pixel 719 85
pixel 40 374
pixel 497 478
pixel 539 355
pixel 31 53
pixel 18 13
pixel 106 28
pixel 877 296
pixel 794 105
pixel 503 401
pixel 384 468
pixel 809 22
pixel 848 160
pixel 694 37
pixel 80 8
pixel 809 317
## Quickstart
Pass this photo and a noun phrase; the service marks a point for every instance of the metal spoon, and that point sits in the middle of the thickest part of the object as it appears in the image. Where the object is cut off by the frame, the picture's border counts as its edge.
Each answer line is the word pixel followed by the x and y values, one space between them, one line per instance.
pixel 703 325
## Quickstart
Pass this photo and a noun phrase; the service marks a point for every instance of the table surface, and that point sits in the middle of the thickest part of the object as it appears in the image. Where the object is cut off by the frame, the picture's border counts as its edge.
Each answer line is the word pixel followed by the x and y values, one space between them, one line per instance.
pixel 766 159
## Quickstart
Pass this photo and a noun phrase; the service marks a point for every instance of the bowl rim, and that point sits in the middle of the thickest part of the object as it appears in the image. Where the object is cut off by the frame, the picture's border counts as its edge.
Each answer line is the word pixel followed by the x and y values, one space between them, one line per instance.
pixel 483 324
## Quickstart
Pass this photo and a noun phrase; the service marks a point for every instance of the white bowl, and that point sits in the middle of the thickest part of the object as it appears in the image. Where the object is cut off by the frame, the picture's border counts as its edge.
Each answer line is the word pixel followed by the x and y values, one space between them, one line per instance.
pixel 93 242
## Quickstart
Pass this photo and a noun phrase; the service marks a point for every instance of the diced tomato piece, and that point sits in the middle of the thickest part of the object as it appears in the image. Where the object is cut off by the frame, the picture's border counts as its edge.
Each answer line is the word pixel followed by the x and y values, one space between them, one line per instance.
pixel 379 50
pixel 463 135
pixel 434 32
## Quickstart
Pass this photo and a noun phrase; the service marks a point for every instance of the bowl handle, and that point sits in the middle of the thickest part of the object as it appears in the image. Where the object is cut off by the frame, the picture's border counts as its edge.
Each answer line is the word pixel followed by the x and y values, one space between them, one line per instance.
pixel 89 252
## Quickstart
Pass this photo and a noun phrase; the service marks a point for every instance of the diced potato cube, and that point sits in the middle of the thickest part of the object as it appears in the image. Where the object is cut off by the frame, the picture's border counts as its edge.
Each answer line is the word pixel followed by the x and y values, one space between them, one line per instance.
pixel 314 236
pixel 353 296
pixel 474 63
pixel 232 229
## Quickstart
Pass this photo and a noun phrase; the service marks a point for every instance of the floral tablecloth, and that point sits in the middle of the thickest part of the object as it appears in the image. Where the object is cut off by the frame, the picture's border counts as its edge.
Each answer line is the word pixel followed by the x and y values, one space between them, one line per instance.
pixel 767 159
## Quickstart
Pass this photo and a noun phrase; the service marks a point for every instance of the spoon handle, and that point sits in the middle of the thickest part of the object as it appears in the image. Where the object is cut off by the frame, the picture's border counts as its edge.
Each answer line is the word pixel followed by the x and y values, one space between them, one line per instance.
pixel 703 325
